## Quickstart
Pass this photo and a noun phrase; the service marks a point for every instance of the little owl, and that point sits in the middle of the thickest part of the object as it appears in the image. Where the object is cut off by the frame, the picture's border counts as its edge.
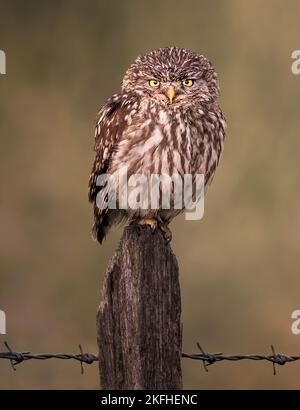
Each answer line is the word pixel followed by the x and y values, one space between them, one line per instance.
pixel 166 119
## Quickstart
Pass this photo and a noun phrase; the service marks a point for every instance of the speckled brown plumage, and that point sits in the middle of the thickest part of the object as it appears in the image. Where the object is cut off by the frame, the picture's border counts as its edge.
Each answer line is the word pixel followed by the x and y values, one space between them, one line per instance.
pixel 142 129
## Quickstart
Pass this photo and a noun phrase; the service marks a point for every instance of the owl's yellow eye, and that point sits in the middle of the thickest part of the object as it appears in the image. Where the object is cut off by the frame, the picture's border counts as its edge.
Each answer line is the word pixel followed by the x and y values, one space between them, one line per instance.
pixel 188 83
pixel 154 83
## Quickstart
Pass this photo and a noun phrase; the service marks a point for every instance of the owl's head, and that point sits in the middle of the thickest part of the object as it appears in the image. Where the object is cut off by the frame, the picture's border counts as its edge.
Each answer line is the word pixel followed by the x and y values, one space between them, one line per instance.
pixel 172 77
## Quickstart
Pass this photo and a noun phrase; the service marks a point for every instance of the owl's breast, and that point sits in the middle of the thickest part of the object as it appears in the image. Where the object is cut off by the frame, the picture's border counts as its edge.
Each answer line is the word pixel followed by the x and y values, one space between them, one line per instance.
pixel 161 141
pixel 161 144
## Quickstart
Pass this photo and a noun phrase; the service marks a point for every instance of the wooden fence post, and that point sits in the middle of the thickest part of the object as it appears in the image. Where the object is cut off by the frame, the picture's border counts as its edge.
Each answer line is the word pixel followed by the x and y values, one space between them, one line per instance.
pixel 138 321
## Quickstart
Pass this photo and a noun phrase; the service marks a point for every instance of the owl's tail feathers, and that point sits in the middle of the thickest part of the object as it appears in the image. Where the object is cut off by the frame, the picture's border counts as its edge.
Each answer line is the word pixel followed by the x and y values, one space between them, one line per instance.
pixel 98 234
pixel 100 228
pixel 104 220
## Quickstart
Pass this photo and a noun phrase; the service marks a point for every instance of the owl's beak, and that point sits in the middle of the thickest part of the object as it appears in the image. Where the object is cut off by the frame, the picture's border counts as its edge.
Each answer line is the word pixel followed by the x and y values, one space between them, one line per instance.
pixel 171 94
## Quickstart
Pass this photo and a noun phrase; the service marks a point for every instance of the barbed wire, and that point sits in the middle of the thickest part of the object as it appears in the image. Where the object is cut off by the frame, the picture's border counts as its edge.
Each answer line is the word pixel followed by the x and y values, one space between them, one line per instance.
pixel 207 359
pixel 19 357
pixel 211 358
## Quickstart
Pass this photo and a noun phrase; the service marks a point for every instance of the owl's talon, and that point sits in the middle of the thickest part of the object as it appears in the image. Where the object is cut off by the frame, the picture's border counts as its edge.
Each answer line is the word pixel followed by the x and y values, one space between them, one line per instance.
pixel 154 224
pixel 154 227
pixel 166 232
pixel 150 222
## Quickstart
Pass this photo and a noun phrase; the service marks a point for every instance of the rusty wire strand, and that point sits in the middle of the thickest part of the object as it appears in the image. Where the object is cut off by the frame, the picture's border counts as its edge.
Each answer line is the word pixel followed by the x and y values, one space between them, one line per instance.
pixel 206 358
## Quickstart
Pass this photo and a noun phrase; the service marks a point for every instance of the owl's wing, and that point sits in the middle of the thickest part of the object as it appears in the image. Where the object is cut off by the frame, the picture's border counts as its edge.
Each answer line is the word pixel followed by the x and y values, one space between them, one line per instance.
pixel 110 124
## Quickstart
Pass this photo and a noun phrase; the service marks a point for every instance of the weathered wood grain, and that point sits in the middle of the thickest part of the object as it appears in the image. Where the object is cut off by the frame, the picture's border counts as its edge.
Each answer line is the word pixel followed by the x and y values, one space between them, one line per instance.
pixel 138 322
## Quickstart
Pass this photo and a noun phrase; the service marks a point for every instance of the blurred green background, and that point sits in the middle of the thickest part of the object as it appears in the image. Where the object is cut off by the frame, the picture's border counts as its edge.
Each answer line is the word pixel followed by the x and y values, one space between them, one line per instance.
pixel 239 265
